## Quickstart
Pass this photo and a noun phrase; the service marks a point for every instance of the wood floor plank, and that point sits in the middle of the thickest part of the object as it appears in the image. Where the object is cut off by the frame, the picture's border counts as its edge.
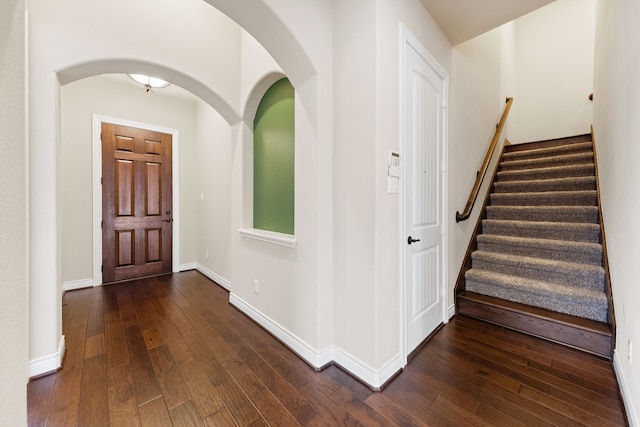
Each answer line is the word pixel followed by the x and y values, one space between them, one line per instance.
pixel 609 410
pixel 94 346
pixel 589 382
pixel 114 340
pixel 395 411
pixel 38 399
pixel 220 418
pixel 185 415
pixel 154 414
pixel 357 408
pixel 65 401
pixel 125 303
pixel 534 407
pixel 573 412
pixel 171 350
pixel 297 405
pixel 174 390
pixel 270 408
pixel 456 413
pixel 503 367
pixel 123 406
pixel 472 367
pixel 144 378
pixel 95 321
pixel 201 389
pixel 497 418
pixel 94 396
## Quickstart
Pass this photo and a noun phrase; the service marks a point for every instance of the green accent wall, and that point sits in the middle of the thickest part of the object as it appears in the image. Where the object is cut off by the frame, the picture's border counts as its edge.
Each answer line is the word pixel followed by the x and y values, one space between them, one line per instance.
pixel 273 160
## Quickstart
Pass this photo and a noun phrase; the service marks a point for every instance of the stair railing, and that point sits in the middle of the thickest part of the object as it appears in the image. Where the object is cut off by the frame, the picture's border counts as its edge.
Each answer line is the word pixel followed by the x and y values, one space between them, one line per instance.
pixel 485 165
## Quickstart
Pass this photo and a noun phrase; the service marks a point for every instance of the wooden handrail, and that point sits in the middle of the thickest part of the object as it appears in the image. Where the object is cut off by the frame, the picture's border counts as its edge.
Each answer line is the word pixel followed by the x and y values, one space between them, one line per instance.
pixel 485 165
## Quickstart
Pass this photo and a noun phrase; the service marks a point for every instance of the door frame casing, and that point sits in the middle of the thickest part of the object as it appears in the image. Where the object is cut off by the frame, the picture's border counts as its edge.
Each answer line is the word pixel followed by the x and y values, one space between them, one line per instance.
pixel 96 129
pixel 407 38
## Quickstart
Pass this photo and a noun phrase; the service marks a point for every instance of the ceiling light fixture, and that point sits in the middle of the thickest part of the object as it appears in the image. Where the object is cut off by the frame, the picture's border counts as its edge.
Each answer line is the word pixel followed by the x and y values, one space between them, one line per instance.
pixel 149 82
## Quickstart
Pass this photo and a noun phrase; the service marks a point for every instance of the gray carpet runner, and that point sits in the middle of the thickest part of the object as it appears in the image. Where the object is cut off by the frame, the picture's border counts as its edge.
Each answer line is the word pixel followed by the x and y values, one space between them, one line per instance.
pixel 540 241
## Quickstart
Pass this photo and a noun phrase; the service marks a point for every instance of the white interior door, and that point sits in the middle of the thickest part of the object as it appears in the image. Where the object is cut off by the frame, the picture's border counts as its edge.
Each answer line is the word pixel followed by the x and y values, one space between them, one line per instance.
pixel 424 136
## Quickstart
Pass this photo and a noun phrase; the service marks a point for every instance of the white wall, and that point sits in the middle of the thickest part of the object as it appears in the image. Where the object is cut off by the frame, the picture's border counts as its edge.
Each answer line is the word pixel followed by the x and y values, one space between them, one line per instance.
pixel 355 95
pixel 481 86
pixel 211 160
pixel 287 276
pixel 367 257
pixel 617 131
pixel 553 66
pixel 120 98
pixel 13 215
pixel 390 240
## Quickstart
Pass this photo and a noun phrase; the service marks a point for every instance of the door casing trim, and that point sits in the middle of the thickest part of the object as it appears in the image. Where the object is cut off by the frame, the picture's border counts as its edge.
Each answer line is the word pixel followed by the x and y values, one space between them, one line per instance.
pixel 96 146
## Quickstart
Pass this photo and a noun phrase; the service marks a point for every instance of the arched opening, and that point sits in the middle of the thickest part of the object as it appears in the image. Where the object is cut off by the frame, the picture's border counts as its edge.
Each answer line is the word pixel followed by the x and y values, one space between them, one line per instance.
pixel 66 61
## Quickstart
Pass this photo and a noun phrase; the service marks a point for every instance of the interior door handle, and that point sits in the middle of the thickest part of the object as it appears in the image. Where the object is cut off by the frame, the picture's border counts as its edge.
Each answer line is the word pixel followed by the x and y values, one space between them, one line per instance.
pixel 168 220
pixel 411 240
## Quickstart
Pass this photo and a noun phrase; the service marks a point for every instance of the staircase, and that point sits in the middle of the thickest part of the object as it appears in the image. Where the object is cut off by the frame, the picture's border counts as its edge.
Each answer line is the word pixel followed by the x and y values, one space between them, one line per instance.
pixel 536 261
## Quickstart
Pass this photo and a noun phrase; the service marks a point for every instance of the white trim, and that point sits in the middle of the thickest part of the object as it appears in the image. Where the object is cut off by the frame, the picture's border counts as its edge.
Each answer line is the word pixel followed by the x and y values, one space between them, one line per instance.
pixel 627 399
pixel 303 349
pixel 47 364
pixel 77 284
pixel 407 38
pixel 374 378
pixel 451 312
pixel 188 266
pixel 96 129
pixel 281 239
pixel 213 276
pixel 320 358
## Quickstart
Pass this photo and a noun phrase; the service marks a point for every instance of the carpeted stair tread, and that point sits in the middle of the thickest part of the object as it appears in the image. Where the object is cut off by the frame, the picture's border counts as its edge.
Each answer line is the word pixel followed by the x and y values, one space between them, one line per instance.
pixel 544 213
pixel 571 148
pixel 561 250
pixel 581 232
pixel 564 273
pixel 563 159
pixel 555 198
pixel 565 171
pixel 581 183
pixel 551 296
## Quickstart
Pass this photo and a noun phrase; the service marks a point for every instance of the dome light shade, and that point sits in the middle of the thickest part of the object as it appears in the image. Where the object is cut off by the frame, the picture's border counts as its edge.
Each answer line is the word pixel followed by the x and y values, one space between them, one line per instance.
pixel 149 82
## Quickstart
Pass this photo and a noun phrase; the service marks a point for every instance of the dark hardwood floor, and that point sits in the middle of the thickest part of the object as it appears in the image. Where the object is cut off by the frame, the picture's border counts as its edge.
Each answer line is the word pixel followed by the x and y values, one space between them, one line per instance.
pixel 170 350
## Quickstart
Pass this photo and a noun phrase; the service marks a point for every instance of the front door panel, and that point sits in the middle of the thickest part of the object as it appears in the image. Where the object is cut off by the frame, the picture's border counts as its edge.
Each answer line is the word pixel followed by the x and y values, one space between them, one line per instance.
pixel 136 203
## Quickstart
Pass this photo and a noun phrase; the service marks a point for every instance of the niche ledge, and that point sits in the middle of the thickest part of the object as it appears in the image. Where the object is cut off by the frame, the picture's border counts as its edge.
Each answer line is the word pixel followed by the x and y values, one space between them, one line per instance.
pixel 281 239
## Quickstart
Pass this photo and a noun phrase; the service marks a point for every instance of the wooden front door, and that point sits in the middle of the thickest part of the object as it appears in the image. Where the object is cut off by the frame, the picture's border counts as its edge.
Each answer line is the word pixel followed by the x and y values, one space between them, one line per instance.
pixel 136 203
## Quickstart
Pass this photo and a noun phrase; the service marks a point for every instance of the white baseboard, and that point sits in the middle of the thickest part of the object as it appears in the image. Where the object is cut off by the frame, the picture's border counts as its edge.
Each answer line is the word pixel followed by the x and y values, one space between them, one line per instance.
pixel 320 358
pixel 213 276
pixel 77 284
pixel 632 416
pixel 188 266
pixel 47 364
pixel 451 311
pixel 374 378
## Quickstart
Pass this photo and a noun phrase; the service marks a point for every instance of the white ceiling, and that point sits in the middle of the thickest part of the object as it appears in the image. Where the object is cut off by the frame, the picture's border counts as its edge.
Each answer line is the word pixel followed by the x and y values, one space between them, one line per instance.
pixel 462 20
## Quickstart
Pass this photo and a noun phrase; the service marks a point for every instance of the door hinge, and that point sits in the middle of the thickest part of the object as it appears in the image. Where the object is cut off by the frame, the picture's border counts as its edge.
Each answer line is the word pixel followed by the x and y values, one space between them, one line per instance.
pixel 100 180
pixel 101 224
pixel 102 268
